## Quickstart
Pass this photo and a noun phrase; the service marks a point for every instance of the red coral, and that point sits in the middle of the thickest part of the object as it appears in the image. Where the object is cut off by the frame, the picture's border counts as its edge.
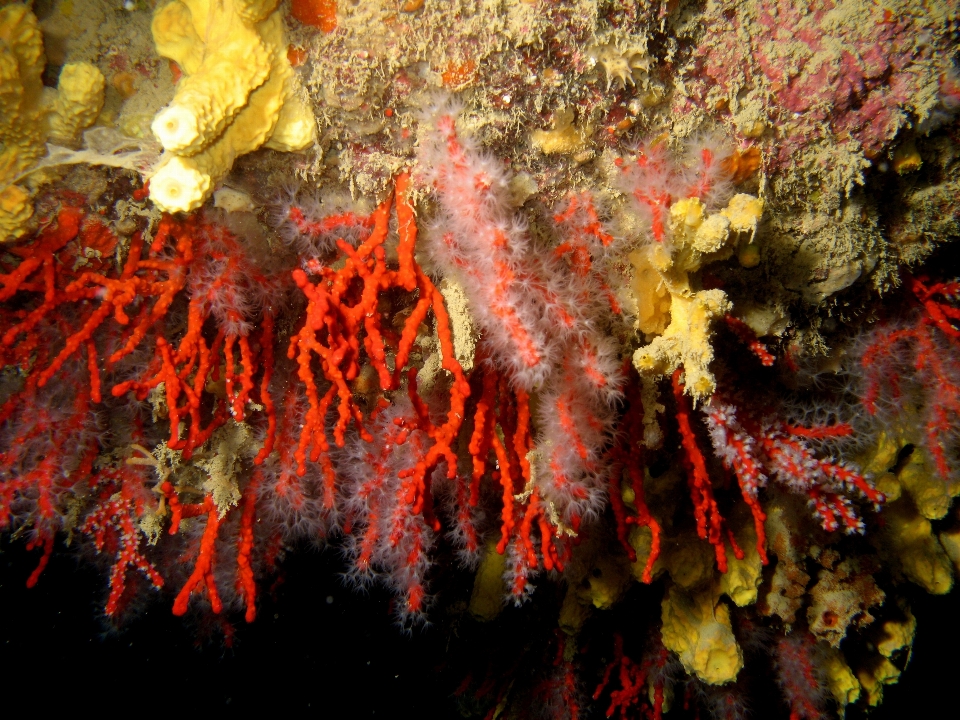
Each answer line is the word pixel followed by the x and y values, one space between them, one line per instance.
pixel 760 448
pixel 112 523
pixel 628 455
pixel 710 523
pixel 47 459
pixel 799 675
pixel 919 365
pixel 75 307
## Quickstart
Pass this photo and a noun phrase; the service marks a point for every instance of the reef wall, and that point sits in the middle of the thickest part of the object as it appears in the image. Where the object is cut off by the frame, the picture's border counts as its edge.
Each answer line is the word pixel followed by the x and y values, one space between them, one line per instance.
pixel 529 308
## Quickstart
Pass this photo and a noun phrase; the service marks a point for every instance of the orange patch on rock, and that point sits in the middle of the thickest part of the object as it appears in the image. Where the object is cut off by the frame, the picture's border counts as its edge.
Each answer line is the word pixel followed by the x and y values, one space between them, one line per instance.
pixel 742 164
pixel 457 76
pixel 96 242
pixel 296 56
pixel 320 14
pixel 125 84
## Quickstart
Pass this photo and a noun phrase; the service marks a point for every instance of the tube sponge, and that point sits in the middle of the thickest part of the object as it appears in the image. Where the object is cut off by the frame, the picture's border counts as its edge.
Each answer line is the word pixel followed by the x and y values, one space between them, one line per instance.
pixel 696 626
pixel 21 113
pixel 28 114
pixel 78 103
pixel 239 93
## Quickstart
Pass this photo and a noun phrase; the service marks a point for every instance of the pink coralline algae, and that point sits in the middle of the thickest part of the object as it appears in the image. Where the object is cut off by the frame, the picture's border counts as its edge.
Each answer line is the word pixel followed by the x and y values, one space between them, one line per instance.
pixel 832 70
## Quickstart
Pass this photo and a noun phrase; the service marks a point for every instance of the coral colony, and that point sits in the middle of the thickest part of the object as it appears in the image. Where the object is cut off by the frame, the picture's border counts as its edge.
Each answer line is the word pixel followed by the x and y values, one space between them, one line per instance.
pixel 604 303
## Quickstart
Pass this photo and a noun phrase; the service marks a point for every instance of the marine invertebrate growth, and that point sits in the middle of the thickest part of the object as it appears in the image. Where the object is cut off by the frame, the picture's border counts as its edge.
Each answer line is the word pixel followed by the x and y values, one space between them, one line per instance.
pixel 30 114
pixel 239 93
pixel 916 365
pixel 681 206
pixel 542 320
pixel 422 357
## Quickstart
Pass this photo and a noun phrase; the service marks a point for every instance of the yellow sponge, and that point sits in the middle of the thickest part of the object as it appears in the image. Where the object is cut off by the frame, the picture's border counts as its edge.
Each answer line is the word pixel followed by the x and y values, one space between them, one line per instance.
pixel 21 113
pixel 676 317
pixel 29 116
pixel 696 626
pixel 78 102
pixel 239 93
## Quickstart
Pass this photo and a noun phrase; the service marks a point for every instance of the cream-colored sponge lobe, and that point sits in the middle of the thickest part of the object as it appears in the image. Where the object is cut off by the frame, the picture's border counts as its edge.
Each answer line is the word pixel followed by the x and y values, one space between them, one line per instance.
pixel 238 93
pixel 179 186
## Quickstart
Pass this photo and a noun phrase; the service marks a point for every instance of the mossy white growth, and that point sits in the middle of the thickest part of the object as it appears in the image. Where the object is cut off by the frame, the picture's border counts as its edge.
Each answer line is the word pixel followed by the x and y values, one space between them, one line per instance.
pixel 462 325
pixel 223 462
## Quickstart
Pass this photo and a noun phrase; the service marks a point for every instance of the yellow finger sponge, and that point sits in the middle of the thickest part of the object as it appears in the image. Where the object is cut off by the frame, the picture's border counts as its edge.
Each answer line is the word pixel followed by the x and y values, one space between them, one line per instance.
pixel 675 317
pixel 238 93
pixel 78 102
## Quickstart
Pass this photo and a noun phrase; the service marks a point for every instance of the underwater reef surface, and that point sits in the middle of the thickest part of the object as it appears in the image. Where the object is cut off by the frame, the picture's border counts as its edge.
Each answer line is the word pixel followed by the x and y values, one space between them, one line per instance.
pixel 506 358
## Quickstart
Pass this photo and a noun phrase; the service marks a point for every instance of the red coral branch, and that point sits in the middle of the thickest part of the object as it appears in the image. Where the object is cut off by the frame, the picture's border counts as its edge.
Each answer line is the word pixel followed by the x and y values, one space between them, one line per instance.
pixel 710 523
pixel 112 524
pixel 759 448
pixel 202 574
pixel 748 337
pixel 628 455
pixel 920 361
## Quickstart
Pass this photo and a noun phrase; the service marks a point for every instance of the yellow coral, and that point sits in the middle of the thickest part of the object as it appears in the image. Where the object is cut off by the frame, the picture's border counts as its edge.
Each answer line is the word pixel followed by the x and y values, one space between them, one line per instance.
pixel 929 492
pixel 596 578
pixel 907 541
pixel 914 497
pixel 688 560
pixel 239 94
pixel 696 626
pixel 605 583
pixel 573 613
pixel 565 137
pixel 741 582
pixel 651 295
pixel 662 288
pixel 686 341
pixel 21 113
pixel 744 211
pixel 15 212
pixel 950 540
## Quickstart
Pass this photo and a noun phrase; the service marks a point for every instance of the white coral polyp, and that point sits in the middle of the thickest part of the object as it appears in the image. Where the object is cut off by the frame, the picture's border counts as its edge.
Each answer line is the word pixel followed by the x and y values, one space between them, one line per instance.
pixel 179 187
